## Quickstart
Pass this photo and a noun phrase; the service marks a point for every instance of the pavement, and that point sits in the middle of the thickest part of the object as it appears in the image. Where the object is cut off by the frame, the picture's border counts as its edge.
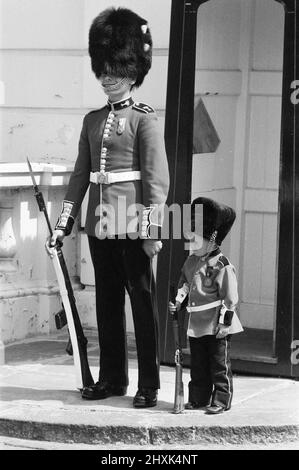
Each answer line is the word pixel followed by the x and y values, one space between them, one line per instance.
pixel 39 402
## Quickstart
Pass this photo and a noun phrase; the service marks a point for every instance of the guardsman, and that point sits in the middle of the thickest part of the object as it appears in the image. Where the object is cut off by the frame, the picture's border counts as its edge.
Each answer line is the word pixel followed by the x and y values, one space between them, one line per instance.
pixel 122 160
pixel 208 288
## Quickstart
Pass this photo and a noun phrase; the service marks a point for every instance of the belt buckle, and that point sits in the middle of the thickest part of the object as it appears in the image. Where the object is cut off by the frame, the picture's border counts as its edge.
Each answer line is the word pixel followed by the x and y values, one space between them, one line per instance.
pixel 103 178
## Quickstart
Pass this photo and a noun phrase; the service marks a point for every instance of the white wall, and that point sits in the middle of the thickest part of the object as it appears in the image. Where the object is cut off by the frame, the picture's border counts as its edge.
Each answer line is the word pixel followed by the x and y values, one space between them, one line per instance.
pixel 45 68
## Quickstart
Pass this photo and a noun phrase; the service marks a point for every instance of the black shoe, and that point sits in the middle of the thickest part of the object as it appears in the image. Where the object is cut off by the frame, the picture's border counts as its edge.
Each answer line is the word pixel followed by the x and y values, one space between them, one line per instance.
pixel 194 405
pixel 216 409
pixel 145 398
pixel 103 390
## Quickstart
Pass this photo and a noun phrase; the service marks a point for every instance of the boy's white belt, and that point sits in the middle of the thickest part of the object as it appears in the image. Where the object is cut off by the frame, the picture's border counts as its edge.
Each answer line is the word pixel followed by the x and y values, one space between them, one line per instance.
pixel 108 177
pixel 200 308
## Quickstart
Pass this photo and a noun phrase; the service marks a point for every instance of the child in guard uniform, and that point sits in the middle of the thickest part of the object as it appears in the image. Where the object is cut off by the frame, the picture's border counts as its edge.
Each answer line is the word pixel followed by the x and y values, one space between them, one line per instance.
pixel 208 286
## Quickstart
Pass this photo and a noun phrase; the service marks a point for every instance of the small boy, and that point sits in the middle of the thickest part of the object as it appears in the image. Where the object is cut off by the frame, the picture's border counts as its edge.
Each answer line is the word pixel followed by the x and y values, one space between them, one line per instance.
pixel 208 286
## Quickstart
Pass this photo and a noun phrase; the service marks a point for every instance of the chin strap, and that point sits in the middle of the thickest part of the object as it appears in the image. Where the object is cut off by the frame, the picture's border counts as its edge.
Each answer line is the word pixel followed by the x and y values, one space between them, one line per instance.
pixel 116 86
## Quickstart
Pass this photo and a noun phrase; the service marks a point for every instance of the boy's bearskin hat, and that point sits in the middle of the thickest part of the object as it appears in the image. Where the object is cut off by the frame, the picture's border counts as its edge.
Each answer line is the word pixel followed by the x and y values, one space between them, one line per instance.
pixel 216 217
pixel 120 44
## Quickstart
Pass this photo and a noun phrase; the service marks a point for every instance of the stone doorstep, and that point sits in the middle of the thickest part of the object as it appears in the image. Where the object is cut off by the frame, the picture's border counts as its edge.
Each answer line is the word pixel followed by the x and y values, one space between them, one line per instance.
pixel 148 435
pixel 114 421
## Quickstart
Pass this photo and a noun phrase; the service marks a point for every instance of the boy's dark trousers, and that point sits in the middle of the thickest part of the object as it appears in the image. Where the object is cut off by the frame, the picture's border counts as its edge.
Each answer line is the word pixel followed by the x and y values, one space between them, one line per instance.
pixel 211 375
pixel 120 264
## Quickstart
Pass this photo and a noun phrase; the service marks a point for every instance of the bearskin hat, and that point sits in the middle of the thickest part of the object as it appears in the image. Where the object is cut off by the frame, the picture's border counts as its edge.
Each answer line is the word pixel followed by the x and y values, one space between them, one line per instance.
pixel 120 44
pixel 216 217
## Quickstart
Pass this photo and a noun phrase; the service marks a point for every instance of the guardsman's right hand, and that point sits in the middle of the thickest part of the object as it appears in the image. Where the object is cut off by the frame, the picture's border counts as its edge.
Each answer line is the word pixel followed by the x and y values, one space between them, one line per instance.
pixel 151 247
pixel 51 242
pixel 174 307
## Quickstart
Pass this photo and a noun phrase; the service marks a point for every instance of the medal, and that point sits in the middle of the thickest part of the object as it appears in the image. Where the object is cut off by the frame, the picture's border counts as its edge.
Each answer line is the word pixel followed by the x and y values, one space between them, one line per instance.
pixel 121 125
pixel 208 281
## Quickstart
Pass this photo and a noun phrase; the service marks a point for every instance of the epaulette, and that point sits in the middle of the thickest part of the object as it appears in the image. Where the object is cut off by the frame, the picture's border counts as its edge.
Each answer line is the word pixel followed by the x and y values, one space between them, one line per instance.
pixel 143 108
pixel 224 261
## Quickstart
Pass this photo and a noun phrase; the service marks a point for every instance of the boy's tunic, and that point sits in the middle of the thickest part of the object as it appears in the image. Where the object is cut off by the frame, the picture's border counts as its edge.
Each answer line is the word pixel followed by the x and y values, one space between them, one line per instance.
pixel 206 281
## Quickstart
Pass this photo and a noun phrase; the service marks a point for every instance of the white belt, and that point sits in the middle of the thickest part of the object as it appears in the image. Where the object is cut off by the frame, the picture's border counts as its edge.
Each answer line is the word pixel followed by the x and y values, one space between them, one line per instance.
pixel 108 177
pixel 200 308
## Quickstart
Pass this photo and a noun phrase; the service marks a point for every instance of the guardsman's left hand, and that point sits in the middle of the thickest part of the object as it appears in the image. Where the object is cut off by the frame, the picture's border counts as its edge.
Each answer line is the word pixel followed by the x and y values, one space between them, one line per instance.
pixel 152 247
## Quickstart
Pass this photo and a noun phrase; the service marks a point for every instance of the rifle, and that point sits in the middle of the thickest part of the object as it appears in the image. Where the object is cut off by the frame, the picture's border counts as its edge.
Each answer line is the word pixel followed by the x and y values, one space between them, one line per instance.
pixel 77 338
pixel 178 357
pixel 60 322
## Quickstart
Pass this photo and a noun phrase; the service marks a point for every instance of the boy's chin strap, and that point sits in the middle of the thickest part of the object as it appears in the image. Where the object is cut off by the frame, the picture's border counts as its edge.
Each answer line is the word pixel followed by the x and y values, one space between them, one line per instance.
pixel 212 240
pixel 209 254
pixel 211 247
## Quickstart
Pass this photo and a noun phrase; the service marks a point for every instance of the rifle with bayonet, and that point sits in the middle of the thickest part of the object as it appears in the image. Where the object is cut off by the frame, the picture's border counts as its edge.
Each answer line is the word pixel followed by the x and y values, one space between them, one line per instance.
pixel 178 355
pixel 69 313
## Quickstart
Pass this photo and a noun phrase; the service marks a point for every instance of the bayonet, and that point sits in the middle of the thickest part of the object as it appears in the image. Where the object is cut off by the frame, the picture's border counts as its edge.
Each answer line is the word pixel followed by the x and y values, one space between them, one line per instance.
pixel 39 197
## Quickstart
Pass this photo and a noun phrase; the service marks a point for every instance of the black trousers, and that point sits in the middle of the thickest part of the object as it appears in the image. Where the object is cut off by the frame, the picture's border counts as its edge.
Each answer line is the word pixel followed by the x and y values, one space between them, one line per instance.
pixel 211 375
pixel 120 264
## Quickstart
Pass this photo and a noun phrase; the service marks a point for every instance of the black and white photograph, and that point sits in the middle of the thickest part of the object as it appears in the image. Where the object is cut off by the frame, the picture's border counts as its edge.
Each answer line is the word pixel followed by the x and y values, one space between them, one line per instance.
pixel 149 213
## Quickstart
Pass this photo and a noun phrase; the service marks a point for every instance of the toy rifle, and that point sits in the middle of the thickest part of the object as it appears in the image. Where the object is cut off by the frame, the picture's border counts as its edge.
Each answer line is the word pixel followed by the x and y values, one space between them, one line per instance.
pixel 178 356
pixel 78 341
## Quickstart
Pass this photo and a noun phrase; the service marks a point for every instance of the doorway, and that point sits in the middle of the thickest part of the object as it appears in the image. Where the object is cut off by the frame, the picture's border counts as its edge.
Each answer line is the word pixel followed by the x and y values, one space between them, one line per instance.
pixel 237 151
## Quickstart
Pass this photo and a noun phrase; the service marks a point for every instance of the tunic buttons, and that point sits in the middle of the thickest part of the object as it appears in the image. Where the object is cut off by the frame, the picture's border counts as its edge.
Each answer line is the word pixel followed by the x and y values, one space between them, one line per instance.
pixel 106 135
pixel 108 125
